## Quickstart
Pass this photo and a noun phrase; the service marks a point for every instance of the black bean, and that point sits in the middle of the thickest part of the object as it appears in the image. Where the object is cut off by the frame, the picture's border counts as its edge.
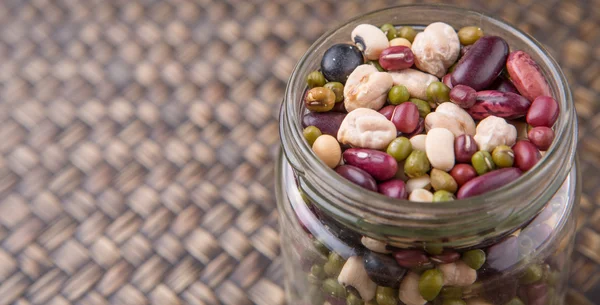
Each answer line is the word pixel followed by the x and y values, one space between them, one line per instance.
pixel 339 61
pixel 383 269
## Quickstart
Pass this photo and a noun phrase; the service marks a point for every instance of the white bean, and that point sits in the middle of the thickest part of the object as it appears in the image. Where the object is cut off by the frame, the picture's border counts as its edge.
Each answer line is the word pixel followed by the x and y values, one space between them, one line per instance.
pixel 366 88
pixel 366 128
pixel 370 40
pixel 439 147
pixel 374 245
pixel 423 182
pixel 420 195
pixel 436 48
pixel 418 142
pixel 450 116
pixel 494 131
pixel 458 274
pixel 409 290
pixel 414 80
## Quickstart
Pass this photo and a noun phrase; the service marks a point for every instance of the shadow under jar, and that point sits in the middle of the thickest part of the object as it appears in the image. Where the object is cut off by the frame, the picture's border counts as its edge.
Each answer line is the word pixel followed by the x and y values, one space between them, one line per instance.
pixel 518 238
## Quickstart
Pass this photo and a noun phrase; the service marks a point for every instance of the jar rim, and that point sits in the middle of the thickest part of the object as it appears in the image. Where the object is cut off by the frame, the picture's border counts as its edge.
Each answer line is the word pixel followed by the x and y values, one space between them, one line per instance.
pixel 385 209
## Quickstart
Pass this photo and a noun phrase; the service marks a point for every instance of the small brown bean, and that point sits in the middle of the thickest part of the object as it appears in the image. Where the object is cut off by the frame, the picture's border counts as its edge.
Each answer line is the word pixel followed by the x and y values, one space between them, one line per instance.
pixel 462 173
pixel 541 137
pixel 526 155
pixel 543 112
pixel 406 117
pixel 464 148
pixel 411 258
pixel 396 58
pixel 463 96
pixel 447 257
pixel 387 111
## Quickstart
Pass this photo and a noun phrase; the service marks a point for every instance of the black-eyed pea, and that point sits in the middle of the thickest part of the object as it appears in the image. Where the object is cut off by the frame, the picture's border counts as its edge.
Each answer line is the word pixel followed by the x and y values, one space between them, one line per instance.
pixel 354 274
pixel 328 150
pixel 370 40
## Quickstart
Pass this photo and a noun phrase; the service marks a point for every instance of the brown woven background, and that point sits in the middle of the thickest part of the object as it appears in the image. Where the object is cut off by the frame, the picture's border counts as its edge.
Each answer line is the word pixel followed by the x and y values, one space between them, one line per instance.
pixel 137 141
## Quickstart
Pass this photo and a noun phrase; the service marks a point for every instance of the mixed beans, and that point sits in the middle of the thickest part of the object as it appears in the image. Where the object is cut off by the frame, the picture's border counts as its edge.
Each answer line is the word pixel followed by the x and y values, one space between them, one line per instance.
pixel 428 116
pixel 398 103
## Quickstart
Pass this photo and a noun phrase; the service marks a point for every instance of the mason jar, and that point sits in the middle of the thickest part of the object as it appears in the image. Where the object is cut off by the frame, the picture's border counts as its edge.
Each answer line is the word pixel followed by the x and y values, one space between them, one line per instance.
pixel 344 245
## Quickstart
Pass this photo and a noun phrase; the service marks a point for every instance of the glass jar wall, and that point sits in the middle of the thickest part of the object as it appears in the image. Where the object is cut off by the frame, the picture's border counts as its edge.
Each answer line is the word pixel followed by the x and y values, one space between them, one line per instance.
pixel 344 245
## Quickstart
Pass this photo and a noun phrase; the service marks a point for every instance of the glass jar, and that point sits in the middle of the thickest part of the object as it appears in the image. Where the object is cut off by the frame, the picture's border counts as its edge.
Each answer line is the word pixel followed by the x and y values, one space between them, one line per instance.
pixel 524 231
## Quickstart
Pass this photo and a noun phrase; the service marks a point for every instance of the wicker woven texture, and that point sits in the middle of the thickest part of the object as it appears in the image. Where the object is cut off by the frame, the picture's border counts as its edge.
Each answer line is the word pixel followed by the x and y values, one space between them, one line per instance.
pixel 137 140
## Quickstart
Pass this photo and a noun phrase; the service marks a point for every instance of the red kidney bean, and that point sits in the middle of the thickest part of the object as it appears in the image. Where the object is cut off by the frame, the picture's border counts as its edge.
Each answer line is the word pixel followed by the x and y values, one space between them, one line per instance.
pixel 462 173
pixel 447 80
pixel 541 137
pixel 526 155
pixel 396 58
pixel 501 104
pixel 378 164
pixel 543 112
pixel 406 117
pixel 538 234
pixel 447 257
pixel 394 188
pixel 328 122
pixel 464 50
pixel 411 258
pixel 503 255
pixel 502 84
pixel 339 107
pixel 464 148
pixel 387 111
pixel 534 294
pixel 483 62
pixel 418 130
pixel 463 96
pixel 488 182
pixel 357 176
pixel 526 75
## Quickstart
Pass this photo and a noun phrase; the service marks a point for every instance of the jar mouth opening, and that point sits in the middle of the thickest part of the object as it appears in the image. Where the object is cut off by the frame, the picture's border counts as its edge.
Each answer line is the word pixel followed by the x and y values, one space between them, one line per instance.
pixel 560 154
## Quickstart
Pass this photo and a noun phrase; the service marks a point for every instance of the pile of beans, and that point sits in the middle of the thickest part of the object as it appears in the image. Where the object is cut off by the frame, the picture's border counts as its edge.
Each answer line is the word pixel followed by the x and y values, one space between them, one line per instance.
pixel 431 116
pixel 379 114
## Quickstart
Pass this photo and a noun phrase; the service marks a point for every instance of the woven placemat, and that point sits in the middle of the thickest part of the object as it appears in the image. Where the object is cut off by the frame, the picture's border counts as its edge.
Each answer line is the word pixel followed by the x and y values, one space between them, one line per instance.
pixel 137 141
